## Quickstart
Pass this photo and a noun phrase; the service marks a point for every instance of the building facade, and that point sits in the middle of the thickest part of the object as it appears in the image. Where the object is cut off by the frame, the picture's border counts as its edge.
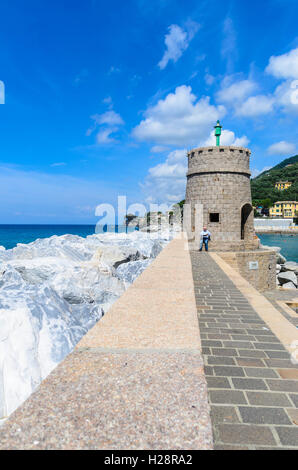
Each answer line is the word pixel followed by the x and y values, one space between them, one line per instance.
pixel 284 209
pixel 283 185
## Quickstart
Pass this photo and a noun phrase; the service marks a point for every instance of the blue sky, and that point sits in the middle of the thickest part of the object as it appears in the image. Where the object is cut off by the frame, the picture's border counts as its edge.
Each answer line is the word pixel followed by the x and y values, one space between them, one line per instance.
pixel 102 98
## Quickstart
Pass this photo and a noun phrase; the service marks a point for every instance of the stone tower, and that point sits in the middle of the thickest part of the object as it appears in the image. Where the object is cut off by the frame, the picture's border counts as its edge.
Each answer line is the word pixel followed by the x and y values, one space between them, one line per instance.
pixel 218 186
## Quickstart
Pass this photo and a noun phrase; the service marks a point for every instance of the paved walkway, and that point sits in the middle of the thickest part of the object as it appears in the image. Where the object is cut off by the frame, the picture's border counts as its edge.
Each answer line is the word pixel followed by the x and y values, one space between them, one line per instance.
pixel 252 383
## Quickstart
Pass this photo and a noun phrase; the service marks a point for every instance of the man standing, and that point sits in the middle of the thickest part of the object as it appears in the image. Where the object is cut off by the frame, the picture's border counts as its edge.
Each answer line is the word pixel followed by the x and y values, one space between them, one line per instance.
pixel 205 237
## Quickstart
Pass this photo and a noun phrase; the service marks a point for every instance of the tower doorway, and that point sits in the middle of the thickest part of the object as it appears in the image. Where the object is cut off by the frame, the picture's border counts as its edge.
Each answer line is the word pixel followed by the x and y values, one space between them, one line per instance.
pixel 246 213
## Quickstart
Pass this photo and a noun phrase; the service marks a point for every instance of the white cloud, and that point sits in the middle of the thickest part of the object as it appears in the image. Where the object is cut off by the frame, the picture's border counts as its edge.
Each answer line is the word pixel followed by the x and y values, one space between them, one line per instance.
pixel 282 148
pixel 103 136
pixel 229 47
pixel 109 117
pixel 108 101
pixel 235 92
pixel 109 123
pixel 58 164
pixel 177 41
pixel 255 172
pixel 209 79
pixel 158 149
pixel 2 92
pixel 113 70
pixel 286 96
pixel 284 66
pixel 255 106
pixel 180 119
pixel 227 138
pixel 166 182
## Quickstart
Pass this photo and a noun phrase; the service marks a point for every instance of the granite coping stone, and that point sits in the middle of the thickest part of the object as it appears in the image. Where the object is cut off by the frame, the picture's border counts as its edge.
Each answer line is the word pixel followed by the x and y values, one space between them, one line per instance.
pixel 111 400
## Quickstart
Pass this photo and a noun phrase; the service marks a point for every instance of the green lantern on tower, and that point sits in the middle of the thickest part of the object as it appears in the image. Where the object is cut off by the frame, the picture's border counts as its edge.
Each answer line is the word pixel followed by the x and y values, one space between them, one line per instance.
pixel 217 134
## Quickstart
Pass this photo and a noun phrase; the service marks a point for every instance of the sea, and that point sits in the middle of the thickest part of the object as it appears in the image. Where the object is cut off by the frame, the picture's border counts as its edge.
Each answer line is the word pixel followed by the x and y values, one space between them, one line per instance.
pixel 287 242
pixel 11 235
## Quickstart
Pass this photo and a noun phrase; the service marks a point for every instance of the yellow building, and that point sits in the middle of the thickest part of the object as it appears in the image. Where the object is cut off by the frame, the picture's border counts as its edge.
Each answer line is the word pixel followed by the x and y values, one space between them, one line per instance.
pixel 282 185
pixel 284 209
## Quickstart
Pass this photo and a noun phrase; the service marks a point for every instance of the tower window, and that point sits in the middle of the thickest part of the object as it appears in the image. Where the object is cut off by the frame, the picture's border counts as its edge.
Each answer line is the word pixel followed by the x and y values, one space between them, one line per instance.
pixel 214 217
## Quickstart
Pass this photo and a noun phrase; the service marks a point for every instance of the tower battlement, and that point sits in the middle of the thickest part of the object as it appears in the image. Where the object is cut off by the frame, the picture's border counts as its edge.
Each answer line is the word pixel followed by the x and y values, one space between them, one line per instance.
pixel 219 159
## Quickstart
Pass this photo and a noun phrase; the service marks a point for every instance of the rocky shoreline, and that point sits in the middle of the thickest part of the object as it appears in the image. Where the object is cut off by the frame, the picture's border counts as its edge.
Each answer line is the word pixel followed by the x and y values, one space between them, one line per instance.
pixel 286 271
pixel 52 291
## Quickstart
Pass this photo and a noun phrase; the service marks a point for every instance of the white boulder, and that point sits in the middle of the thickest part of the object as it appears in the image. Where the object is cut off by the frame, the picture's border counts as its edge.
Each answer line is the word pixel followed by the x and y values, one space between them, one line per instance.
pixel 287 277
pixel 52 291
pixel 289 285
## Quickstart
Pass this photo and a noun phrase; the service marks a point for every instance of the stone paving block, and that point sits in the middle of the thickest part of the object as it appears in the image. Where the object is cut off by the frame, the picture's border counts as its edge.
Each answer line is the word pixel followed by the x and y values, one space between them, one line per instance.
pixel 230 447
pixel 260 372
pixel 280 363
pixel 206 351
pixel 247 362
pixel 294 399
pixel 283 385
pixel 291 374
pixel 222 337
pixel 221 361
pixel 270 346
pixel 245 434
pixel 249 384
pixel 267 339
pixel 277 354
pixel 261 415
pixel 225 371
pixel 209 330
pixel 207 343
pixel 261 332
pixel 224 414
pixel 224 352
pixel 251 353
pixel 238 344
pixel 293 414
pixel 233 331
pixel 288 435
pixel 233 397
pixel 268 399
pixel 243 338
pixel 208 370
pixel 218 382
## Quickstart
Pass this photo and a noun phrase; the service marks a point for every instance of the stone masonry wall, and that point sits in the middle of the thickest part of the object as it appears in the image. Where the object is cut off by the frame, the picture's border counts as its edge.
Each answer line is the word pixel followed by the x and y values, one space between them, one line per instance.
pixel 219 178
pixel 263 278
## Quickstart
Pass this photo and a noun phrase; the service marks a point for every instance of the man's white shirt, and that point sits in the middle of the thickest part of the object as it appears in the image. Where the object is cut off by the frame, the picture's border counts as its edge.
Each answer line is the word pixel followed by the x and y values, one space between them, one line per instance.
pixel 205 234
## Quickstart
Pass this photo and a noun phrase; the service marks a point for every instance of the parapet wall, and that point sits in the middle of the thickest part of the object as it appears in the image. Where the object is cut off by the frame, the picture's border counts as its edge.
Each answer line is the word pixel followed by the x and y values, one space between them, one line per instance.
pixel 219 159
pixel 257 267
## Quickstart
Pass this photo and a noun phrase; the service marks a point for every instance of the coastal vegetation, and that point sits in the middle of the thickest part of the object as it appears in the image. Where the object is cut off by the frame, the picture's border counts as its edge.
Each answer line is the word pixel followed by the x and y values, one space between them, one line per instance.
pixel 263 188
